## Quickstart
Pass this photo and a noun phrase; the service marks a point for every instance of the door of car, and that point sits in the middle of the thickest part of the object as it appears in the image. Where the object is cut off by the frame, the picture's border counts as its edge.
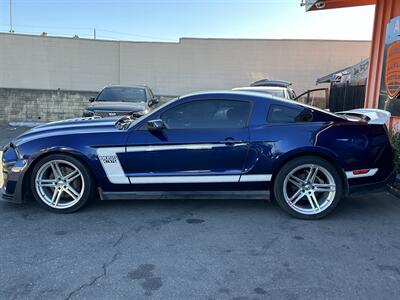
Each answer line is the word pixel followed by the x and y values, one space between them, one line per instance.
pixel 203 141
pixel 315 97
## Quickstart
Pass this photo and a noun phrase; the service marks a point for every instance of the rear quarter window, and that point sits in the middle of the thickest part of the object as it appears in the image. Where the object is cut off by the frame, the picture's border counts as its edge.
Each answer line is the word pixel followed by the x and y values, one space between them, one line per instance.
pixel 285 114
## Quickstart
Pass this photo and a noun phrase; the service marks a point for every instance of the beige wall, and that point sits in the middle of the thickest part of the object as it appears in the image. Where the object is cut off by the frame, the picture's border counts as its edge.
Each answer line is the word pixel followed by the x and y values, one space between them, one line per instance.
pixel 169 68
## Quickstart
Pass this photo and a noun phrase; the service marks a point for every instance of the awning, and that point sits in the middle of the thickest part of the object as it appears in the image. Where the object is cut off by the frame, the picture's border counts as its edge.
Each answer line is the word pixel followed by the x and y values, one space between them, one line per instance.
pixel 355 73
pixel 328 4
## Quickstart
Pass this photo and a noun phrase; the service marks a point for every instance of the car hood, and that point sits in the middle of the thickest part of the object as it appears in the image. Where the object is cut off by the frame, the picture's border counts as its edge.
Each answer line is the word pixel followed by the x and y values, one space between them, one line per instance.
pixel 72 126
pixel 117 106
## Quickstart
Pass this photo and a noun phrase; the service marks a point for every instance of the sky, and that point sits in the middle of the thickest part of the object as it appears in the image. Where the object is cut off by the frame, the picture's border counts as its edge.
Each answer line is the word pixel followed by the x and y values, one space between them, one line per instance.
pixel 169 20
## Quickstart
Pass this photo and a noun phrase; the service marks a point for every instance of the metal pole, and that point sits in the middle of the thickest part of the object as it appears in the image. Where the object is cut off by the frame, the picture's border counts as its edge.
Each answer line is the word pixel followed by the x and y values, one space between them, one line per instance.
pixel 94 33
pixel 11 25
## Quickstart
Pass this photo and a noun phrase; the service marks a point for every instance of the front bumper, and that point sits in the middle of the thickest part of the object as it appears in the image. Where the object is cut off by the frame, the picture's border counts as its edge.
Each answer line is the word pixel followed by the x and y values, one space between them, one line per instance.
pixel 5 197
pixel 12 190
pixel 13 169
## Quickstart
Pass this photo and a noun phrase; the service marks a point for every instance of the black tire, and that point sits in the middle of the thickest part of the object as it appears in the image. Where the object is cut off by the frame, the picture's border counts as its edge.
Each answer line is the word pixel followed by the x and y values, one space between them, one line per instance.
pixel 278 188
pixel 88 190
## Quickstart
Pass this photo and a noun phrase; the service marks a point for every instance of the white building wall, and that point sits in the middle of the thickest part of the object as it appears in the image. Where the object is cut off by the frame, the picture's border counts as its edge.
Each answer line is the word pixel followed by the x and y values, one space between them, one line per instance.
pixel 35 62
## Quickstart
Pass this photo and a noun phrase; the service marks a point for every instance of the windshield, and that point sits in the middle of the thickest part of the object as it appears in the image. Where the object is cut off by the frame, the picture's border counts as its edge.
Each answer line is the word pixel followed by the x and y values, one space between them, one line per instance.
pixel 122 94
pixel 125 123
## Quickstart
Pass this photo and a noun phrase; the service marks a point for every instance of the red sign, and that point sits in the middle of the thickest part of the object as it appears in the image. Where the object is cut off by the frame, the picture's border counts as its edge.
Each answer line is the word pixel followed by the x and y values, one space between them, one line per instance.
pixel 392 76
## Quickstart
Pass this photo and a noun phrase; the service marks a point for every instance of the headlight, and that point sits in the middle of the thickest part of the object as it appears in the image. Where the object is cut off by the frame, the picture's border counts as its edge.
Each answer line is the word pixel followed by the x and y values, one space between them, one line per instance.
pixel 5 148
pixel 88 113
pixel 138 114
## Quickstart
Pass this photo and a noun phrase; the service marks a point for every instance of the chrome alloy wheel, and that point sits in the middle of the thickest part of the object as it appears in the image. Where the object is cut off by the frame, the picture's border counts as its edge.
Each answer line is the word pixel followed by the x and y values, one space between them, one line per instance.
pixel 59 184
pixel 309 189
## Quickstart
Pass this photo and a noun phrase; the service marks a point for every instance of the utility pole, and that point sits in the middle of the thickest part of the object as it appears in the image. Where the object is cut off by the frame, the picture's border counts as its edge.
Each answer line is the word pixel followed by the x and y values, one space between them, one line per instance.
pixel 94 33
pixel 11 24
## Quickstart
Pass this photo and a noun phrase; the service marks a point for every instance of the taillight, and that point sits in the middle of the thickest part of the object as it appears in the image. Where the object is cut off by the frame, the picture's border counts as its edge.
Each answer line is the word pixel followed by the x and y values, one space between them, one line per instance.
pixel 360 172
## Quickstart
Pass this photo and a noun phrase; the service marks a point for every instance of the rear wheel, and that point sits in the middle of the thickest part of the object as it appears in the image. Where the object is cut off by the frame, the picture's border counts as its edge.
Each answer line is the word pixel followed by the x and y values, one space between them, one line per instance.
pixel 61 183
pixel 308 187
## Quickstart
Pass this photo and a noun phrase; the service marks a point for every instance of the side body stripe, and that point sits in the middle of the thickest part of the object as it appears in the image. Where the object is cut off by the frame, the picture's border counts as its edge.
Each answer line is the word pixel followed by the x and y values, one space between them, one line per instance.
pixel 115 173
pixel 111 165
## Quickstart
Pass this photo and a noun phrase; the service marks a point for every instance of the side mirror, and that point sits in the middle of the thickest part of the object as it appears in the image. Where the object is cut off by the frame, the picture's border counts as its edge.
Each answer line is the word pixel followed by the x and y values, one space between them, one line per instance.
pixel 155 125
pixel 153 101
pixel 91 99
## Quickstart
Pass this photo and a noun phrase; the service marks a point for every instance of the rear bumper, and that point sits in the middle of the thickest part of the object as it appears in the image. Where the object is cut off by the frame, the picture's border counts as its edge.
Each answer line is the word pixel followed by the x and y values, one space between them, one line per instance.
pixel 381 186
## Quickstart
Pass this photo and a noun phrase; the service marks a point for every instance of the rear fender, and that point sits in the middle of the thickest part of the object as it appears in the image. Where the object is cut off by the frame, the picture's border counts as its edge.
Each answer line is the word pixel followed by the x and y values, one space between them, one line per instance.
pixel 360 146
pixel 320 152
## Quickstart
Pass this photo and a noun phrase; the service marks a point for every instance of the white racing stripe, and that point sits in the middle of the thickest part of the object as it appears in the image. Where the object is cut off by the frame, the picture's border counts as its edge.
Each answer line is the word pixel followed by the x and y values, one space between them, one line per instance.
pixel 111 165
pixel 254 178
pixel 180 147
pixel 184 179
pixel 115 173
pixel 199 179
pixel 174 147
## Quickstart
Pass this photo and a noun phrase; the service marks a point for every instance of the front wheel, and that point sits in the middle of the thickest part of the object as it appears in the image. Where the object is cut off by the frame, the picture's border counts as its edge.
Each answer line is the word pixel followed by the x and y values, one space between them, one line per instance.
pixel 308 187
pixel 61 183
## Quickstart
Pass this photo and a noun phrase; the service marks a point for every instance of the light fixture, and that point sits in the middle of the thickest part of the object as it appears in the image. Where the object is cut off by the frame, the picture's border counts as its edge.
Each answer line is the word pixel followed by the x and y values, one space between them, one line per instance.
pixel 320 4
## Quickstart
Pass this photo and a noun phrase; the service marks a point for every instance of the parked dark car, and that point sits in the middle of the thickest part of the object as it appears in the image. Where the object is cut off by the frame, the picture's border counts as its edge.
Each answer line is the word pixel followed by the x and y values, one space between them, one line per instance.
pixel 120 100
pixel 216 144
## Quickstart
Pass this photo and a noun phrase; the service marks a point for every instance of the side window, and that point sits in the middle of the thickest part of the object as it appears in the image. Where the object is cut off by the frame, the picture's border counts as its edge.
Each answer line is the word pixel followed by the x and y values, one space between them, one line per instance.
pixel 284 114
pixel 208 114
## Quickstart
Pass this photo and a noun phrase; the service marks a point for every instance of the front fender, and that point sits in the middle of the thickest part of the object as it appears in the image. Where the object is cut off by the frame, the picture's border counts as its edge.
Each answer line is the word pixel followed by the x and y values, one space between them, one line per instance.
pixel 22 189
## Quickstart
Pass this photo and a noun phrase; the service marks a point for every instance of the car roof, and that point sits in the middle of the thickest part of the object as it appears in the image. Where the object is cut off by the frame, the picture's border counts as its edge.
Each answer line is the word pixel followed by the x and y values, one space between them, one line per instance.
pixel 260 88
pixel 245 95
pixel 234 95
pixel 127 86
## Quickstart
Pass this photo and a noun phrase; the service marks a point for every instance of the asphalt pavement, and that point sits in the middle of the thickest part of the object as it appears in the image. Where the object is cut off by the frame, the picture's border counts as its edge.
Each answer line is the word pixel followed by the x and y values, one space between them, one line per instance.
pixel 200 249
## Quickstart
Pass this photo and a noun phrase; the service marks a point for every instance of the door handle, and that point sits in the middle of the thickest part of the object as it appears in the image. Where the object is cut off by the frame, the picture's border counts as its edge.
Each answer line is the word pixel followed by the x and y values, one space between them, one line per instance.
pixel 231 141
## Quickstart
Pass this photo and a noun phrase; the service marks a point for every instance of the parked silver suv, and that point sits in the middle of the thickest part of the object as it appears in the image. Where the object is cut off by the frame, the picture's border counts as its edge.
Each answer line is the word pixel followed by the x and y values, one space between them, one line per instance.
pixel 277 88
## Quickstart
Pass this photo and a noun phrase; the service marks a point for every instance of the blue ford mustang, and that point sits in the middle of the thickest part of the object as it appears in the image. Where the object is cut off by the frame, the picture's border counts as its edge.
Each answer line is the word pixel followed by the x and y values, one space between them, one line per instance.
pixel 214 144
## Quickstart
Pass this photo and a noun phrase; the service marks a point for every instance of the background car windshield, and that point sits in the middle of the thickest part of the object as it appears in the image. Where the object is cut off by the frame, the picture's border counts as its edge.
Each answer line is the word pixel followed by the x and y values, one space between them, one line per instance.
pixel 122 94
pixel 208 114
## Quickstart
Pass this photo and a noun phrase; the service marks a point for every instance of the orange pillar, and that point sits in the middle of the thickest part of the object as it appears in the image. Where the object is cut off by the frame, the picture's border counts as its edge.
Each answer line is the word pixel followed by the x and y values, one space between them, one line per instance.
pixel 385 10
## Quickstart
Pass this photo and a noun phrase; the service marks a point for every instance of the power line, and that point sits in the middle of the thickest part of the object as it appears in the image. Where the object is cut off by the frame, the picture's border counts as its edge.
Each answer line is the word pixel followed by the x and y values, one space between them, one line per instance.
pixel 135 35
pixel 45 27
pixel 89 36
pixel 53 27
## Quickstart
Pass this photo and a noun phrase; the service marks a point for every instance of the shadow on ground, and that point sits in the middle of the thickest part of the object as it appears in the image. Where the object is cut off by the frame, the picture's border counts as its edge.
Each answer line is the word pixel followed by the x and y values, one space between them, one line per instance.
pixel 197 249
